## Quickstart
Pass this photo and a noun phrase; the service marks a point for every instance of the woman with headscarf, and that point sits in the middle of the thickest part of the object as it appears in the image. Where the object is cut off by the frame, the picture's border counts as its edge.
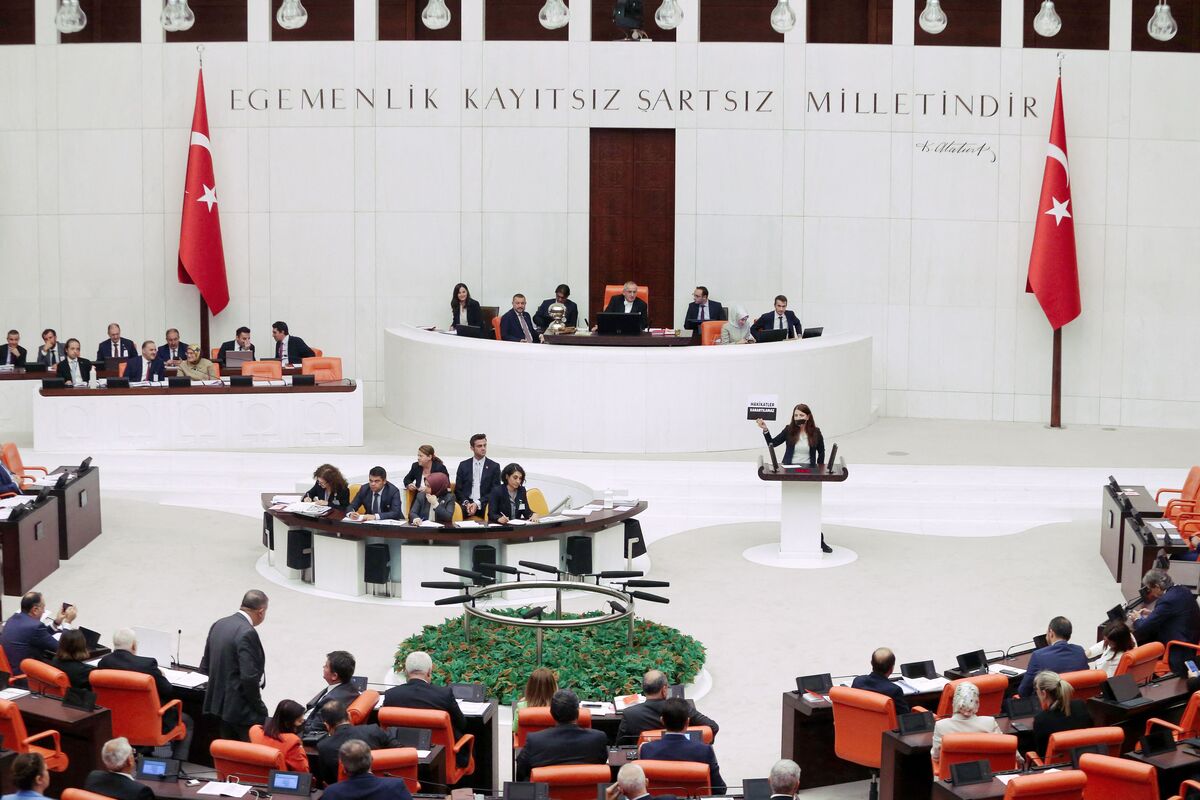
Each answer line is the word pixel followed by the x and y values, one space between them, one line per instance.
pixel 196 366
pixel 435 501
pixel 737 329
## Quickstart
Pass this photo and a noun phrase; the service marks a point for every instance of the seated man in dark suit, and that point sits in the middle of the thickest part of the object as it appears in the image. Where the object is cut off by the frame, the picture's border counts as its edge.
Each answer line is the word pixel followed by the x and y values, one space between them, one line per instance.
pixel 74 370
pixel 631 784
pixel 648 715
pixel 240 343
pixel 8 481
pixel 627 302
pixel 379 497
pixel 14 354
pixel 116 779
pixel 779 319
pixel 337 724
pixel 565 743
pixel 419 692
pixel 145 367
pixel 173 351
pixel 26 636
pixel 1175 617
pixel 1058 656
pixel 339 669
pixel 124 657
pixel 702 310
pixel 676 746
pixel 784 779
pixel 516 325
pixel 360 784
pixel 289 349
pixel 476 478
pixel 115 346
pixel 562 294
pixel 883 661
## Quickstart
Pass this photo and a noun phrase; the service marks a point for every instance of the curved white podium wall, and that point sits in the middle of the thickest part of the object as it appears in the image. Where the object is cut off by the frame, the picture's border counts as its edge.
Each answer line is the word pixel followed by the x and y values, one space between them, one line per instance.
pixel 618 399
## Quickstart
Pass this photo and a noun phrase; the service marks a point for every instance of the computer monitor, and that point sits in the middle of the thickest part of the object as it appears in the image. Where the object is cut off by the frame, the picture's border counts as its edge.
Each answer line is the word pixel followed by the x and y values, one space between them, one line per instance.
pixel 819 684
pixel 470 692
pixel 756 789
pixel 915 722
pixel 281 782
pixel 812 333
pixel 156 769
pixel 771 335
pixel 918 669
pixel 970 772
pixel 972 662
pixel 235 358
pixel 617 322
pixel 522 790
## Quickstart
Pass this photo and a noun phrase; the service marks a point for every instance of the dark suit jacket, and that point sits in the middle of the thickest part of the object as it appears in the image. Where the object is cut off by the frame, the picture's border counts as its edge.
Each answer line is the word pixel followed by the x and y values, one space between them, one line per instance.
pixel 44 358
pixel 1059 657
pixel 691 320
pixel 542 315
pixel 340 499
pixel 391 503
pixel 672 747
pixel 85 369
pixel 414 472
pixel 442 512
pixel 121 787
pixel 164 352
pixel 77 671
pixel 343 693
pixel 464 480
pixel 499 503
pixel 8 483
pixel 19 360
pixel 767 322
pixel 562 744
pixel 297 349
pixel 617 306
pixel 123 659
pixel 368 787
pixel 234 662
pixel 647 716
pixel 1052 721
pixel 25 637
pixel 816 450
pixel 510 327
pixel 881 685
pixel 474 314
pixel 1175 617
pixel 104 349
pixel 375 737
pixel 420 694
pixel 133 370
pixel 227 347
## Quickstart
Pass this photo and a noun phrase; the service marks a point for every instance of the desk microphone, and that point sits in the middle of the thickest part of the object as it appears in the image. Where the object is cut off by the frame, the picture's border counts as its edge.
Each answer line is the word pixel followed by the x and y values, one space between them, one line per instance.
pixel 647 584
pixel 458 598
pixel 536 611
pixel 178 644
pixel 444 585
pixel 1015 646
pixel 653 598
pixel 477 577
pixel 616 607
pixel 619 573
pixel 507 570
pixel 541 567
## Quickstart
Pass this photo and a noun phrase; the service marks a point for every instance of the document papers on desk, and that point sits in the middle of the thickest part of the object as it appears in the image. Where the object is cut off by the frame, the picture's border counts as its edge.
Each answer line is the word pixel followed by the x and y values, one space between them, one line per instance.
pixel 9 503
pixel 189 680
pixel 554 518
pixel 921 685
pixel 598 707
pixel 308 509
pixel 13 694
pixel 286 499
pixel 223 789
pixel 473 709
pixel 578 512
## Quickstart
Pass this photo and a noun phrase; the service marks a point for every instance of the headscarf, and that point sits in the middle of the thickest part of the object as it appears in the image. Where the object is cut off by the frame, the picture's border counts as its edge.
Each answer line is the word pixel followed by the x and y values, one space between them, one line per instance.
pixel 735 319
pixel 439 482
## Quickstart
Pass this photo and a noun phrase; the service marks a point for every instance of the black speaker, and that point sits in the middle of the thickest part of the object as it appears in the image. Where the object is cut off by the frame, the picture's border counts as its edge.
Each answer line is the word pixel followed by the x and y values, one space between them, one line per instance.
pixel 378 564
pixel 483 554
pixel 579 555
pixel 299 549
pixel 268 538
pixel 635 542
pixel 304 380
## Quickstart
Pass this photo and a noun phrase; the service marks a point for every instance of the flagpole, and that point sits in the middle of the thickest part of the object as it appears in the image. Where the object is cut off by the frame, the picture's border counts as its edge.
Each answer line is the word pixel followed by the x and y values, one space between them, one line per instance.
pixel 1056 358
pixel 204 345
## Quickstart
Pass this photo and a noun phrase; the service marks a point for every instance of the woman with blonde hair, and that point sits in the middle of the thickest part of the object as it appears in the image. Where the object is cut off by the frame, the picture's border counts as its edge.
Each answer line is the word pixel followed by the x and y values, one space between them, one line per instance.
pixel 1060 711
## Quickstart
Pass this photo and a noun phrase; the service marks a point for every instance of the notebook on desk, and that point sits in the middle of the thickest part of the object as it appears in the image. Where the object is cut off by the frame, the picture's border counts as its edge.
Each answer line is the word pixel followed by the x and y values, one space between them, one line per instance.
pixel 235 358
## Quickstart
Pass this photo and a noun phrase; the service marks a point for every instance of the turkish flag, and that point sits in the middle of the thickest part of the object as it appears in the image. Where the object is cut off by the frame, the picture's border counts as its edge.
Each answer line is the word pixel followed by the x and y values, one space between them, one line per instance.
pixel 201 257
pixel 1053 272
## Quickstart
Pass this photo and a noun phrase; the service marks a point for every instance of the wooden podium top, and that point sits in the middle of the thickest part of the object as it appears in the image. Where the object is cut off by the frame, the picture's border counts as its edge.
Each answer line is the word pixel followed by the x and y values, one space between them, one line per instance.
pixel 837 473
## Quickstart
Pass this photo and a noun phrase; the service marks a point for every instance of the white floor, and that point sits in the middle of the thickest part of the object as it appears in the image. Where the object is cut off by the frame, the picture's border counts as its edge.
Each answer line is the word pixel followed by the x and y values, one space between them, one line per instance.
pixel 969 535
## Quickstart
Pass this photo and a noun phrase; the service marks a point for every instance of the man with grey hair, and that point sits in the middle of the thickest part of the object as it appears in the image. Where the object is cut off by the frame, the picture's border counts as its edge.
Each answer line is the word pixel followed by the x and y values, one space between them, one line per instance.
pixel 964 719
pixel 627 302
pixel 360 784
pixel 236 666
pixel 631 784
pixel 647 716
pixel 116 779
pixel 419 692
pixel 1175 617
pixel 124 657
pixel 784 778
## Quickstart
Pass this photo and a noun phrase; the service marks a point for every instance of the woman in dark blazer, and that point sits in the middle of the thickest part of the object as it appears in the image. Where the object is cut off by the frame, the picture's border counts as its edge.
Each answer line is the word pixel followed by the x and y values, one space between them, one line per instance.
pixel 427 463
pixel 70 658
pixel 464 309
pixel 330 489
pixel 436 502
pixel 1060 712
pixel 508 501
pixel 802 436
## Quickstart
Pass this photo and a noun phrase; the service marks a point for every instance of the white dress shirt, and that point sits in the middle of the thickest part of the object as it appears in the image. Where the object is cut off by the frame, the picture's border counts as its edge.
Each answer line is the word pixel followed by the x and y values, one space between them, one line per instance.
pixel 476 479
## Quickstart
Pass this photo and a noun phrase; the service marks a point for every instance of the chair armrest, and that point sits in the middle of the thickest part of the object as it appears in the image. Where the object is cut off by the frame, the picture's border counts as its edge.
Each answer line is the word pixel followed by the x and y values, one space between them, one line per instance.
pixel 53 734
pixel 42 470
pixel 1188 784
pixel 1166 656
pixel 7 494
pixel 919 709
pixel 1161 492
pixel 1178 504
pixel 1162 723
pixel 1033 758
pixel 169 705
pixel 466 740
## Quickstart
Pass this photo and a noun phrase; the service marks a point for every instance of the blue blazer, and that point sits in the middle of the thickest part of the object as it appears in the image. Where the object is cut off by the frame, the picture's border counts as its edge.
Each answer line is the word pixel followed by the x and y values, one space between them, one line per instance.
pixel 8 483
pixel 691 321
pixel 164 352
pixel 1175 617
pixel 542 315
pixel 133 370
pixel 465 477
pixel 672 747
pixel 25 637
pixel 881 685
pixel 510 327
pixel 104 349
pixel 368 787
pixel 1059 657
pixel 391 502
pixel 767 322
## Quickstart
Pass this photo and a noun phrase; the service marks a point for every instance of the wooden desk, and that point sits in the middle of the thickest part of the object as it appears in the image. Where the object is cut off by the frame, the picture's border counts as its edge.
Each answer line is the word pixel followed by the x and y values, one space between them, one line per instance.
pixel 179 790
pixel 1165 694
pixel 1018 661
pixel 1172 768
pixel 1138 555
pixel 906 771
pixel 30 547
pixel 78 511
pixel 205 727
pixel 486 728
pixel 83 734
pixel 979 791
pixel 1114 523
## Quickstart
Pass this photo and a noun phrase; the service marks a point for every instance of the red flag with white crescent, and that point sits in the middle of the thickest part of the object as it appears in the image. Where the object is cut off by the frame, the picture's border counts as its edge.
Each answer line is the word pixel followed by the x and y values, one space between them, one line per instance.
pixel 1053 271
pixel 201 256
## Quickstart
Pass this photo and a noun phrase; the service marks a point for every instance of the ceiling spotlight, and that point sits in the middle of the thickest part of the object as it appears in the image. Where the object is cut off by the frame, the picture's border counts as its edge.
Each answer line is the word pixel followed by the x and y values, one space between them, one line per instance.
pixel 932 19
pixel 783 19
pixel 1162 25
pixel 1047 22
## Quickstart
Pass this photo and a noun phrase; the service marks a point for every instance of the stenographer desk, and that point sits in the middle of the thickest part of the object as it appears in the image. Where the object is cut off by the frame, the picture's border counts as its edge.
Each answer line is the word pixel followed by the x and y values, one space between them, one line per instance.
pixel 1116 526
pixel 30 546
pixel 79 518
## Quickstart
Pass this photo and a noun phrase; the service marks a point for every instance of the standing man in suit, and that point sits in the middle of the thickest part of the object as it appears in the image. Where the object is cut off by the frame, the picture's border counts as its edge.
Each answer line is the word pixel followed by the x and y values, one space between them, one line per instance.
pixel 883 661
pixel 477 477
pixel 26 636
pixel 116 779
pixel 784 779
pixel 648 715
pixel 379 497
pixel 115 346
pixel 627 302
pixel 52 351
pixel 565 743
pixel 74 370
pixel 779 319
pixel 337 724
pixel 562 294
pixel 236 664
pixel 173 351
pixel 14 354
pixel 702 310
pixel 516 325
pixel 240 342
pixel 360 784
pixel 145 367
pixel 338 670
pixel 676 746
pixel 289 349
pixel 419 692
pixel 1175 617
pixel 124 657
pixel 1058 656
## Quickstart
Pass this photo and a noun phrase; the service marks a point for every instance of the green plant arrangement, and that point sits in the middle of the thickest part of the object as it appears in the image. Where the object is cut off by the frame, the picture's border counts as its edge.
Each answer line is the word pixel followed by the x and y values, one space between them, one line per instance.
pixel 593 662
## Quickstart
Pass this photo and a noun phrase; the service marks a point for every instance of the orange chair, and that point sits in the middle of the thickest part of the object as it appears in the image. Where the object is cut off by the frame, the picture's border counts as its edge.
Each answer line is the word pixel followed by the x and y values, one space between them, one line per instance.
pixel 1141 661
pixel 1058 749
pixel 82 794
pixel 6 667
pixel 216 369
pixel 1189 723
pixel 439 723
pixel 399 762
pixel 496 327
pixel 249 763
pixel 44 678
pixel 860 718
pixel 1110 778
pixel 1066 785
pixel 991 694
pixel 613 289
pixel 136 711
pixel 18 468
pixel 121 370
pixel 710 332
pixel 12 729
pixel 1189 493
pixel 655 734
pixel 532 720
pixel 216 353
pixel 267 370
pixel 998 749
pixel 1183 789
pixel 318 352
pixel 1085 682
pixel 572 781
pixel 1163 667
pixel 322 368
pixel 360 708
pixel 680 778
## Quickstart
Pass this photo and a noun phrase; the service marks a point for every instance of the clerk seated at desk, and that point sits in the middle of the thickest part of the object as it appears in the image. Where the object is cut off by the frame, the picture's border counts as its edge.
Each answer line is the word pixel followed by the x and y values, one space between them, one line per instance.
pixel 52 350
pixel 124 657
pixel 116 779
pixel 883 661
pixel 14 354
pixel 330 488
pixel 1059 655
pixel 426 464
pixel 1175 617
pixel 380 499
pixel 289 349
pixel 565 743
pixel 779 320
pixel 676 746
pixel 562 294
pixel 74 370
pixel 115 346
pixel 173 350
pixel 240 343
pixel 434 502
pixel 701 310
pixel 195 366
pixel 418 691
pixel 508 500
pixel 627 302
pixel 145 367
pixel 476 478
pixel 464 308
pixel 26 636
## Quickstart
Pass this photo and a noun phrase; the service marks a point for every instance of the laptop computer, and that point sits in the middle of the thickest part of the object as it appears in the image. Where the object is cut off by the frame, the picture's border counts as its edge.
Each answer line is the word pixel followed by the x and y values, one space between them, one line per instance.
pixel 1116 613
pixel 675 690
pixel 1123 690
pixel 472 332
pixel 771 335
pixel 117 383
pixel 112 364
pixel 970 772
pixel 281 782
pixel 1039 641
pixel 156 769
pixel 235 358
pixel 617 322
pixel 91 637
pixel 972 663
pixel 1158 741
pixel 469 692
pixel 818 684
pixel 918 669
pixel 1022 708
pixel 756 789
pixel 915 722
pixel 812 333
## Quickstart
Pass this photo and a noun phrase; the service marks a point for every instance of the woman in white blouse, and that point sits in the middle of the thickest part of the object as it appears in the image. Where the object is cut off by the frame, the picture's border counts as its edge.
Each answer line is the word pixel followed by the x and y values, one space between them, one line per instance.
pixel 965 718
pixel 1117 638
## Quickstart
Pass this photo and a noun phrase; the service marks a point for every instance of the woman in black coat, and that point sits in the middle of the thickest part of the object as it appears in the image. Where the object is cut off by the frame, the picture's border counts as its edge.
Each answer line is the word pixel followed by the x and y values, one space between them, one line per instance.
pixel 70 658
pixel 508 501
pixel 427 462
pixel 464 308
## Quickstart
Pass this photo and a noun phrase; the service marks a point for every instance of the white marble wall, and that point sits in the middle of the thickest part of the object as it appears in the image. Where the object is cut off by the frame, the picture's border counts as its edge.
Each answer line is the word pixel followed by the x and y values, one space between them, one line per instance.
pixel 345 222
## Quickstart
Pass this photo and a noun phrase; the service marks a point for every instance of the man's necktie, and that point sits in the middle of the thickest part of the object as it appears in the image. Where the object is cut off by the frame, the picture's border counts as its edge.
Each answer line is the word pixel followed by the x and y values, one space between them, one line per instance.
pixel 375 504
pixel 703 308
pixel 524 328
pixel 779 323
pixel 281 351
pixel 114 350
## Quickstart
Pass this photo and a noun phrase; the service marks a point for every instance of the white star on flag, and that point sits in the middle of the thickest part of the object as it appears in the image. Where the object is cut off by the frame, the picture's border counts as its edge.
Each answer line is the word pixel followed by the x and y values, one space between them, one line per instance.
pixel 210 197
pixel 1058 211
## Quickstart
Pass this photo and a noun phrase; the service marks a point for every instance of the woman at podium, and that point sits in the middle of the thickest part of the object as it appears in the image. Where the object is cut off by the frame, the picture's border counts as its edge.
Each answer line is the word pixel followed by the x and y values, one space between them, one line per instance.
pixel 800 436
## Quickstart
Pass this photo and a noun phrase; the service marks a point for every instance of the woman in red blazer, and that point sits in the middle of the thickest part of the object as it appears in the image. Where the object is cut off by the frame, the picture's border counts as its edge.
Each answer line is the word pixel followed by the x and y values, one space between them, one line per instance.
pixel 280 732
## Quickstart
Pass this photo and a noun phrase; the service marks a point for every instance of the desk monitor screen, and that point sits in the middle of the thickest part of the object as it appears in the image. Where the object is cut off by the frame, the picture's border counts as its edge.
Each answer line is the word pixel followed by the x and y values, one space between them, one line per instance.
pixel 280 782
pixel 915 722
pixel 973 662
pixel 113 364
pixel 155 644
pixel 1112 483
pixel 1100 749
pixel 117 383
pixel 675 690
pixel 420 738
pixel 157 769
pixel 1116 613
pixel 241 380
pixel 771 335
pixel 819 684
pixel 472 332
pixel 35 369
pixel 91 637
pixel 918 669
pixel 970 772
pixel 1120 689
pixel 1019 707
pixel 54 383
pixel 514 790
pixel 812 333
pixel 178 382
pixel 756 789
pixel 1039 641
pixel 470 692
pixel 304 380
pixel 359 682
pixel 235 358
pixel 619 322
